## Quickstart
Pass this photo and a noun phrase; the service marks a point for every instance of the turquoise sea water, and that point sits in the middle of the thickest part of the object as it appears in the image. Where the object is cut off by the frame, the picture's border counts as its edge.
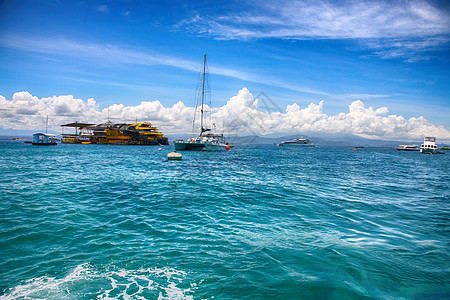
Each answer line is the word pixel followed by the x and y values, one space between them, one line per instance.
pixel 257 222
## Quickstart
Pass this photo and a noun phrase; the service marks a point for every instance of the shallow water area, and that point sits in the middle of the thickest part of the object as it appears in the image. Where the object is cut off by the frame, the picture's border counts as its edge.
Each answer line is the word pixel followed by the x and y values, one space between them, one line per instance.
pixel 256 222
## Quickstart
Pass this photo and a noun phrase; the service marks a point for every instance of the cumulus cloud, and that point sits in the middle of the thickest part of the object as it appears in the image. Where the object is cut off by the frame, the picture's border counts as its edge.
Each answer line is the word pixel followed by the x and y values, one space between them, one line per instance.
pixel 242 114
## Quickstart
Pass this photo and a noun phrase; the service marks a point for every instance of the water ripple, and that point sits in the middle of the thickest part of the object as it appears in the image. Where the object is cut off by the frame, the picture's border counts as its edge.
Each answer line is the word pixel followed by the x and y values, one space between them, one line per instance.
pixel 261 222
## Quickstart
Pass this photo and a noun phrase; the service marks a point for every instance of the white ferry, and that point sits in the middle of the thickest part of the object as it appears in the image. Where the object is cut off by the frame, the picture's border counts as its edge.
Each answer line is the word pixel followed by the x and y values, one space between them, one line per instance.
pixel 407 148
pixel 429 145
pixel 298 142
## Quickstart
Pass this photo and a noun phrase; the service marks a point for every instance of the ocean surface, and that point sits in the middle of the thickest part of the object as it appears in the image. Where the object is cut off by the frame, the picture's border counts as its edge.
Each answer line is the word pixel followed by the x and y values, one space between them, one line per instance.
pixel 256 222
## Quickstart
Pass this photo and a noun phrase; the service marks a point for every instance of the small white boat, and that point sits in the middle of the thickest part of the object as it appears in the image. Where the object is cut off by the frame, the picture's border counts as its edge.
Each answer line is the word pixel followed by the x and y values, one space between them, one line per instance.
pixel 174 155
pixel 429 145
pixel 407 148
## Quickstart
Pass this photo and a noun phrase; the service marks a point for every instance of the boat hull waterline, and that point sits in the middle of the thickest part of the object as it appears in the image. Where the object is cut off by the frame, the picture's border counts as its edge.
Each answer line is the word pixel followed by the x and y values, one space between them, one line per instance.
pixel 298 142
pixel 407 148
pixel 200 146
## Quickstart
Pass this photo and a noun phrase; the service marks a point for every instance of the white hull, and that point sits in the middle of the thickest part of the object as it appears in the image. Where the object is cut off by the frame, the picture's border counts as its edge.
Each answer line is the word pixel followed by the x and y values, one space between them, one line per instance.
pixel 298 142
pixel 298 145
pixel 407 148
pixel 429 145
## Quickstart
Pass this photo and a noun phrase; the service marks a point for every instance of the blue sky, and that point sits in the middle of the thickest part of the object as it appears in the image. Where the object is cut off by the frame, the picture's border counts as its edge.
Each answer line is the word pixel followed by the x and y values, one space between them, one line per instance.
pixel 392 54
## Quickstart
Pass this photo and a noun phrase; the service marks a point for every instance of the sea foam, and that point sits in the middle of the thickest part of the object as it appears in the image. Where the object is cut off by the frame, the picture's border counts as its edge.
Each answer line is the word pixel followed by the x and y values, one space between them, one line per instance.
pixel 109 284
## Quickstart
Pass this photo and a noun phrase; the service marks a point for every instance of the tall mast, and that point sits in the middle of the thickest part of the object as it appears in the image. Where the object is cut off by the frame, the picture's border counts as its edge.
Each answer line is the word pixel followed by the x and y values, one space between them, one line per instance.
pixel 46 125
pixel 203 93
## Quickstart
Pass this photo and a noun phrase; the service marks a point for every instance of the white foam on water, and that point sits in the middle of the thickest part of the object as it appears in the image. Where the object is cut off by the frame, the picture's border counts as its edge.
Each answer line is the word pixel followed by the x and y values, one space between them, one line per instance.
pixel 85 280
pixel 46 287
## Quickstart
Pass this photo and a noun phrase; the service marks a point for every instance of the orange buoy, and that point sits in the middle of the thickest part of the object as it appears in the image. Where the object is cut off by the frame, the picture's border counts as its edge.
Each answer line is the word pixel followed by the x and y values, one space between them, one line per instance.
pixel 159 149
pixel 354 149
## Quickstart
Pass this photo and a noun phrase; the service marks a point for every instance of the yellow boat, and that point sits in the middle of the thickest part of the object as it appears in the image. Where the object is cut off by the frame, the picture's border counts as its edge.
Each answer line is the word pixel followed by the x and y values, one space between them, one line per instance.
pixel 143 133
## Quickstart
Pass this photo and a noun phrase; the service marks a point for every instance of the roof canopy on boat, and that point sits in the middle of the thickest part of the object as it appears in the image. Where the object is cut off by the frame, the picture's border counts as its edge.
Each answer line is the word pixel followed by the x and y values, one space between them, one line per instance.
pixel 77 125
pixel 44 134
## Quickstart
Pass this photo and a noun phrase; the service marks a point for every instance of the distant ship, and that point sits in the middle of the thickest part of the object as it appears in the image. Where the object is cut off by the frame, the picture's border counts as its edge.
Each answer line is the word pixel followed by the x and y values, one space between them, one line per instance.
pixel 207 140
pixel 407 148
pixel 298 142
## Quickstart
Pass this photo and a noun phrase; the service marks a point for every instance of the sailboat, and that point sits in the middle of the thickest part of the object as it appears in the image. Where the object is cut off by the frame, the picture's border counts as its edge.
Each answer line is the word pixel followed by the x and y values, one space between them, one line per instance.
pixel 207 140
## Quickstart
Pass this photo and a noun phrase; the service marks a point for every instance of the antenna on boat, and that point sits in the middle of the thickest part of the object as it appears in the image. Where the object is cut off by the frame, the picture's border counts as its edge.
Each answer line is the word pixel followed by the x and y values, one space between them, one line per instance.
pixel 46 125
pixel 108 113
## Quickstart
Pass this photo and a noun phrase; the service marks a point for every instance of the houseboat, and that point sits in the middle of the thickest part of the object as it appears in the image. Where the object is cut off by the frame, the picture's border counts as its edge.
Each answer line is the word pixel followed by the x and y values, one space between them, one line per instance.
pixel 44 139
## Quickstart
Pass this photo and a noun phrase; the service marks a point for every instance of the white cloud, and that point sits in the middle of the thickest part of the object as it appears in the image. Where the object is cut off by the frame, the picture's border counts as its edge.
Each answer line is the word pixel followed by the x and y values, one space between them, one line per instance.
pixel 98 53
pixel 329 20
pixel 395 29
pixel 112 54
pixel 108 53
pixel 242 114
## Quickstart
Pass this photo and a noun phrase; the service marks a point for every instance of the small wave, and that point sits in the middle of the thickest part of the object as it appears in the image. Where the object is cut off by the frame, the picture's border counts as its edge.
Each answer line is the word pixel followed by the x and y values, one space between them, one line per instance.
pixel 86 281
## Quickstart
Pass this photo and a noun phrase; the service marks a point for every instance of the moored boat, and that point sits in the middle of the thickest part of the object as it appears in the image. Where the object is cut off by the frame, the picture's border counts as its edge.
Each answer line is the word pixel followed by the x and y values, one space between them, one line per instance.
pixel 44 139
pixel 174 155
pixel 429 145
pixel 143 133
pixel 298 142
pixel 407 148
pixel 207 140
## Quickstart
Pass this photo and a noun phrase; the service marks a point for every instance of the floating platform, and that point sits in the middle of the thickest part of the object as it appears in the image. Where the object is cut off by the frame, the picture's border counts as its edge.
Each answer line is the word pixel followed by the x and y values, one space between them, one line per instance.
pixel 174 155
